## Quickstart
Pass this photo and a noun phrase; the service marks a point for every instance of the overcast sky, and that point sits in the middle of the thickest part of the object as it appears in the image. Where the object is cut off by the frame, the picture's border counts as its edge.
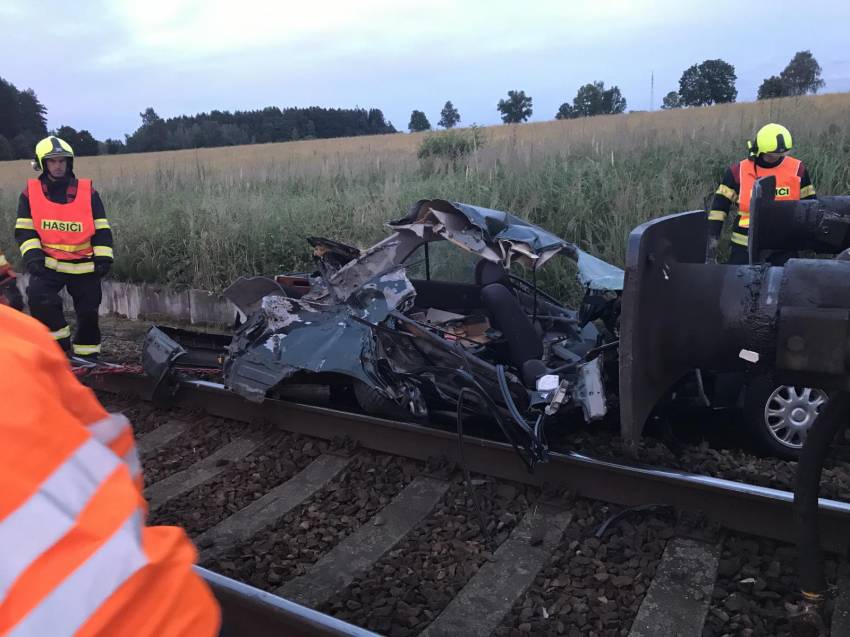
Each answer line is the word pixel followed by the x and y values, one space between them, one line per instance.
pixel 97 64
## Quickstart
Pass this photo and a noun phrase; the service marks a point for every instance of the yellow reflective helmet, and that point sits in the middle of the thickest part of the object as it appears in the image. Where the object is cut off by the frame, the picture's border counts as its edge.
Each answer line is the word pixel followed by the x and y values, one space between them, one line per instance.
pixel 770 138
pixel 52 147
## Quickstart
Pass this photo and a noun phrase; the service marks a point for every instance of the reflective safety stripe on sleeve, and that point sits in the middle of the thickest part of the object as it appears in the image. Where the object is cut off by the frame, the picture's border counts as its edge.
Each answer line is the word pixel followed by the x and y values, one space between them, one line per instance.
pixel 62 332
pixel 116 432
pixel 108 429
pixel 101 224
pixel 740 239
pixel 30 244
pixel 86 350
pixel 807 191
pixel 69 247
pixel 52 511
pixel 22 223
pixel 727 192
pixel 716 215
pixel 69 268
pixel 71 604
pixel 103 251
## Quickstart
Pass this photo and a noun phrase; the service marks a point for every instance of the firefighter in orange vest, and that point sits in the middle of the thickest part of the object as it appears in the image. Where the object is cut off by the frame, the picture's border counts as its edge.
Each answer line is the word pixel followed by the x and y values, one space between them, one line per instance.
pixel 77 558
pixel 66 242
pixel 9 292
pixel 768 157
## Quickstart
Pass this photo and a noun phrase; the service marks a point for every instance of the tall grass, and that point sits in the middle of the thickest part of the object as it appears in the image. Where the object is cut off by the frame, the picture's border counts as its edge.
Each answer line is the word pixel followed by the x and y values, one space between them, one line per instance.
pixel 202 218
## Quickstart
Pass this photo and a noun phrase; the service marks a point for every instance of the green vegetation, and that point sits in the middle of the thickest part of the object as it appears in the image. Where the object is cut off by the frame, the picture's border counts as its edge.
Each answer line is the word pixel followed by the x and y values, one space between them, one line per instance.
pixel 203 222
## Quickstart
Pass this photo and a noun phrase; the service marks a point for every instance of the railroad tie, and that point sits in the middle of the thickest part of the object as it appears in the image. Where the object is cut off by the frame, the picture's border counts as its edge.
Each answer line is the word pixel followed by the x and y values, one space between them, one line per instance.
pixel 356 553
pixel 841 614
pixel 485 600
pixel 203 470
pixel 270 508
pixel 160 436
pixel 678 598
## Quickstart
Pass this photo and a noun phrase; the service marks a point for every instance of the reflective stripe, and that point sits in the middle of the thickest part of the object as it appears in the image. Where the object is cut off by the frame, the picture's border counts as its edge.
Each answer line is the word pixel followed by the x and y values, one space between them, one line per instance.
pixel 62 332
pixel 744 220
pixel 30 244
pixel 726 191
pixel 71 604
pixel 716 215
pixel 133 462
pixel 101 224
pixel 808 191
pixel 68 247
pixel 740 239
pixel 103 251
pixel 69 268
pixel 108 429
pixel 3 261
pixel 85 350
pixel 21 223
pixel 52 511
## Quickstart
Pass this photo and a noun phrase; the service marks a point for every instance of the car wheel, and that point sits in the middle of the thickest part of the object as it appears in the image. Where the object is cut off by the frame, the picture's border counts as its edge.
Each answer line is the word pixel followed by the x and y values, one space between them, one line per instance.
pixel 781 415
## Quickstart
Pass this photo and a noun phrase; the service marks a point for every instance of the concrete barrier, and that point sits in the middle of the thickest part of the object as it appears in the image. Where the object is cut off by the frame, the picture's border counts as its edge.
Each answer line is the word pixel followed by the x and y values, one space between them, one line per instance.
pixel 144 301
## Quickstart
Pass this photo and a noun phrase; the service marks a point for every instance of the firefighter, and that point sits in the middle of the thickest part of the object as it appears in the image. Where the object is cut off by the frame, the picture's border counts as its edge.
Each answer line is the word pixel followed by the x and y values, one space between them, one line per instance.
pixel 9 292
pixel 768 156
pixel 77 558
pixel 65 242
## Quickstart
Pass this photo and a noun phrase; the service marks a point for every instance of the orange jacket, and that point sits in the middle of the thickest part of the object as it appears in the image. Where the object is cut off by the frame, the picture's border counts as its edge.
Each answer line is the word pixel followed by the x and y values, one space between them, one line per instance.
pixel 76 557
pixel 787 174
pixel 65 230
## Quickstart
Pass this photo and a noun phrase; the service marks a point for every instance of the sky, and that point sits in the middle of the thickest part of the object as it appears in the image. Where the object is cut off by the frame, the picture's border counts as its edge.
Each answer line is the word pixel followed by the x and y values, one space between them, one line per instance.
pixel 97 64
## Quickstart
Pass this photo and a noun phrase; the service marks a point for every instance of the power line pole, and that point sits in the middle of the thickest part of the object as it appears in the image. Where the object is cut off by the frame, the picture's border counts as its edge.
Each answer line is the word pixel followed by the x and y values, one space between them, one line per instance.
pixel 652 91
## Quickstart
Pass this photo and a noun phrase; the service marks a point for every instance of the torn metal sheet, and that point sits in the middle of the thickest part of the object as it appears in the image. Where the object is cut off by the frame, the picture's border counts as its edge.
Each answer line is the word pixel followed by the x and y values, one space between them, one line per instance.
pixel 502 238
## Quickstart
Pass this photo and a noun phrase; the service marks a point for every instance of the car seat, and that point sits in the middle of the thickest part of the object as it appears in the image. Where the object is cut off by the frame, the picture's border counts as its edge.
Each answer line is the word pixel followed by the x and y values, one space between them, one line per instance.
pixel 508 316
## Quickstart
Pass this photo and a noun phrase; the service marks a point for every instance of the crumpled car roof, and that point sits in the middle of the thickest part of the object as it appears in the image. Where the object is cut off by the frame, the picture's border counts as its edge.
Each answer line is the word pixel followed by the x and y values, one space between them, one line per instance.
pixel 503 238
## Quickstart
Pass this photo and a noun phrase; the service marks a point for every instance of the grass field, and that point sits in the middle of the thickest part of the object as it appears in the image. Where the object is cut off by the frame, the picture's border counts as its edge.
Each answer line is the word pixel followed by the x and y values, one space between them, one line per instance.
pixel 203 218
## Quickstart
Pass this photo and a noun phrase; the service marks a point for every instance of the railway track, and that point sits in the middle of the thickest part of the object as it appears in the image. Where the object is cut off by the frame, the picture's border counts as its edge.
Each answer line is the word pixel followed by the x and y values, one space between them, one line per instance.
pixel 353 517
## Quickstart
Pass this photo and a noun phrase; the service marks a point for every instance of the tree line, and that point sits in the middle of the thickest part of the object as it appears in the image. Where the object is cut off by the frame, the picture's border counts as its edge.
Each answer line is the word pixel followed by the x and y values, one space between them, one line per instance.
pixel 709 82
pixel 23 117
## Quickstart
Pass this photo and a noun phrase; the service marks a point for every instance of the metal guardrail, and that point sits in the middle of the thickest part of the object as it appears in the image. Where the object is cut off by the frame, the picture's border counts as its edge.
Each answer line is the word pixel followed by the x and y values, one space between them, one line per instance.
pixel 738 506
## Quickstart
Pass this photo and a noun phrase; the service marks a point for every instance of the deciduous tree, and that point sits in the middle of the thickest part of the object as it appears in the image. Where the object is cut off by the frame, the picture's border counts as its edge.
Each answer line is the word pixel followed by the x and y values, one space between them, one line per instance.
pixel 418 122
pixel 711 82
pixel 671 100
pixel 515 109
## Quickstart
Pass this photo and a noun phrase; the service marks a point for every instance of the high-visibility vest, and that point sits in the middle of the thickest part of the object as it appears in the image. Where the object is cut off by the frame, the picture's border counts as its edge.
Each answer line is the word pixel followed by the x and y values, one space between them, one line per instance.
pixel 787 184
pixel 76 557
pixel 65 229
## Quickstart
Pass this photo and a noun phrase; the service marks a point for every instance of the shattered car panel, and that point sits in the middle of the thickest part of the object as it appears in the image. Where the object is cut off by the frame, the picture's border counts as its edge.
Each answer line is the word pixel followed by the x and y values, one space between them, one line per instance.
pixel 403 345
pixel 503 238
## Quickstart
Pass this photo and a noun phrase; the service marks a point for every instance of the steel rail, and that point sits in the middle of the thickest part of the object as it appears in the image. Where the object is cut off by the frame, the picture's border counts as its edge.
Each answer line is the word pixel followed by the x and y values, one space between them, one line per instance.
pixel 738 506
pixel 246 610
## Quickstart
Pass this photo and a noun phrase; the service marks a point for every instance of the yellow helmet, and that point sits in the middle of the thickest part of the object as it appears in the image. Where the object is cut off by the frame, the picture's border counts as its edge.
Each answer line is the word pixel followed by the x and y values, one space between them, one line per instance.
pixel 52 147
pixel 770 138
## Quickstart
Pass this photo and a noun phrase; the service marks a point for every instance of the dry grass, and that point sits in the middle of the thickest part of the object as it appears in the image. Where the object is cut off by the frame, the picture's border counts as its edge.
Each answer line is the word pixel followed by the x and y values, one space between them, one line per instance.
pixel 202 217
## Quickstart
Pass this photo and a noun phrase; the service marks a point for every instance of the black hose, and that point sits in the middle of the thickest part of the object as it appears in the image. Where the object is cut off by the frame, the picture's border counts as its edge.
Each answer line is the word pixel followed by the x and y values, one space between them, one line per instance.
pixel 830 421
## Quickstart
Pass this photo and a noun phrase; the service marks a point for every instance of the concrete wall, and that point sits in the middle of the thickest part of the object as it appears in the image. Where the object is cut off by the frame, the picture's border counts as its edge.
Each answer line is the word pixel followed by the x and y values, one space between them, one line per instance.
pixel 142 301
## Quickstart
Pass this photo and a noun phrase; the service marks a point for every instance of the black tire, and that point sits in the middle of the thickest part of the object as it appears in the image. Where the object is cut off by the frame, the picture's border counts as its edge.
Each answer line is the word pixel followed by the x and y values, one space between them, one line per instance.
pixel 376 404
pixel 773 412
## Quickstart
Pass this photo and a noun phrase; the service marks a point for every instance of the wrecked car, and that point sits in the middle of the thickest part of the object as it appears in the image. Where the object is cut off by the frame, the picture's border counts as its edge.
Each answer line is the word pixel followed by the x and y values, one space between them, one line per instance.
pixel 382 327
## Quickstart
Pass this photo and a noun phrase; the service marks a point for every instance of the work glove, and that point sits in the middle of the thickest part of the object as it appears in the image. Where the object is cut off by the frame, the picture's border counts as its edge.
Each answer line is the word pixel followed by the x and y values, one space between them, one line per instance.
pixel 36 267
pixel 711 250
pixel 102 267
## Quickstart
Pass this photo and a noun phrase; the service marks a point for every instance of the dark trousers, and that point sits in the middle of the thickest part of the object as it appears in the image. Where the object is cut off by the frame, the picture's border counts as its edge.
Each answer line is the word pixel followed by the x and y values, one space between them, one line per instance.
pixel 46 305
pixel 739 255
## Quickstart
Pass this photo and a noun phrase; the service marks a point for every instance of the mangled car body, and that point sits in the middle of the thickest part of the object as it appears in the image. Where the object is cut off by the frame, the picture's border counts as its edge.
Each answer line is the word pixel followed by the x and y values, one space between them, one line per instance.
pixel 408 347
